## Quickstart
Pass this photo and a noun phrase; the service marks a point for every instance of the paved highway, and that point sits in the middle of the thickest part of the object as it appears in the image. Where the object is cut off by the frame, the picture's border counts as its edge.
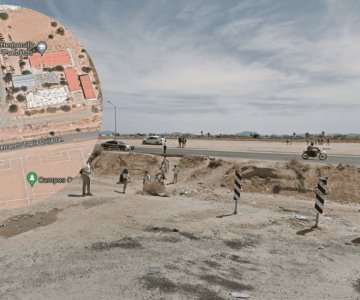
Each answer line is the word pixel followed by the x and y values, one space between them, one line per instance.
pixel 276 156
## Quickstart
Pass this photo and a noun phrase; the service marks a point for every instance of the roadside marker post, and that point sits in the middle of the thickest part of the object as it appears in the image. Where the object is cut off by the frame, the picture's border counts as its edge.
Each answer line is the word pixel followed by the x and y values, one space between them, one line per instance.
pixel 237 189
pixel 320 198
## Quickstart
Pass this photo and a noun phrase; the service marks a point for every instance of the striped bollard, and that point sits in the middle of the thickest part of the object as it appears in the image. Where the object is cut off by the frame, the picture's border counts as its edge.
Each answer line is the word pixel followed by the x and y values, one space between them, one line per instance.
pixel 237 189
pixel 320 198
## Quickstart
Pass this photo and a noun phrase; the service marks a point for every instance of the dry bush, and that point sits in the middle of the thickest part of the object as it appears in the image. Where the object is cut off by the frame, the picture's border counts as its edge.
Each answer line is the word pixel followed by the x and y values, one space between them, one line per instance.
pixel 191 161
pixel 253 171
pixel 154 188
pixel 213 164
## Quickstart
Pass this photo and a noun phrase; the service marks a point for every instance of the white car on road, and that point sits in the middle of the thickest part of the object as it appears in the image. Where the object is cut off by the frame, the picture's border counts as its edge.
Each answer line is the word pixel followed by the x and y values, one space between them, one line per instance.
pixel 153 140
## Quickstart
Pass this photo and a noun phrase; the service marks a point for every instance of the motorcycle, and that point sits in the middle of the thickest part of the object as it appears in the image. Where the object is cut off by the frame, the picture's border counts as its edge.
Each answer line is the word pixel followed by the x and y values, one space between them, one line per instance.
pixel 314 153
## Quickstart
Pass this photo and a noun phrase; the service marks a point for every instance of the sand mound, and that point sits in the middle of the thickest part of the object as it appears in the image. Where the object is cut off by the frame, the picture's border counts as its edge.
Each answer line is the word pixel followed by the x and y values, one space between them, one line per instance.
pixel 154 188
pixel 112 163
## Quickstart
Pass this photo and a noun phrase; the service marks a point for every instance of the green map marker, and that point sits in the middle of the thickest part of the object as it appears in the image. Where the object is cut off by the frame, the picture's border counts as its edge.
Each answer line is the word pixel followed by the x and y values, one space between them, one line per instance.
pixel 31 178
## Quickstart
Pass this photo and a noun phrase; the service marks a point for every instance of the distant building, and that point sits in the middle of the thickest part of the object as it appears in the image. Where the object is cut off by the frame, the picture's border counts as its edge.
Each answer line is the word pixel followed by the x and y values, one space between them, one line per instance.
pixel 72 79
pixel 50 59
pixel 46 77
pixel 27 80
pixel 55 96
pixel 87 87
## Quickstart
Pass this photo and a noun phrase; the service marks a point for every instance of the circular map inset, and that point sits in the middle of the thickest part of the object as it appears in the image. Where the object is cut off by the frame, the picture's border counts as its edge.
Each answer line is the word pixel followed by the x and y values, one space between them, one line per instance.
pixel 50 106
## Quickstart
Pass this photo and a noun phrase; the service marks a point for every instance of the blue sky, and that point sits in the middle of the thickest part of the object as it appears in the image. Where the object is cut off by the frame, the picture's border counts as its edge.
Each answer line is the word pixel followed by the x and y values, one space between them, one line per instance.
pixel 221 66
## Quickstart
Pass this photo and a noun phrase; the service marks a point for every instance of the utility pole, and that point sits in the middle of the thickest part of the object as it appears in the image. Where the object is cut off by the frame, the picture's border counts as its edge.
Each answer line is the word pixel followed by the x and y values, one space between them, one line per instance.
pixel 114 106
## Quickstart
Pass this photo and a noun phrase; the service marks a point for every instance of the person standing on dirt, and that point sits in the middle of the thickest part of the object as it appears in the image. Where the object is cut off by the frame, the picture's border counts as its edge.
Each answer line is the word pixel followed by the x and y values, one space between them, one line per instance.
pixel 164 167
pixel 164 146
pixel 176 172
pixel 85 176
pixel 146 178
pixel 124 179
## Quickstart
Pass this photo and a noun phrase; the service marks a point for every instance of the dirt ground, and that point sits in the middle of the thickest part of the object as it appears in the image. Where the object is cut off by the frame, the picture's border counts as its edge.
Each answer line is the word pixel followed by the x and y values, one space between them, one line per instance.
pixel 188 245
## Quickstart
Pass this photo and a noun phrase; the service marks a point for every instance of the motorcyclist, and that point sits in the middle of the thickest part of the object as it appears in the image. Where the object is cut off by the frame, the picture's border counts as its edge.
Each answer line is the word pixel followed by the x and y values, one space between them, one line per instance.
pixel 312 150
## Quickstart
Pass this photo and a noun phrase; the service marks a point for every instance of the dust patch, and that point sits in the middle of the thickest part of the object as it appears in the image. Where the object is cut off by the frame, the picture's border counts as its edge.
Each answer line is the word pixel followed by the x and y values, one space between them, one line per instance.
pixel 169 239
pixel 165 285
pixel 125 243
pixel 237 258
pixel 190 236
pixel 187 235
pixel 233 285
pixel 93 202
pixel 356 285
pixel 199 291
pixel 238 244
pixel 161 283
pixel 22 223
pixel 212 264
pixel 161 229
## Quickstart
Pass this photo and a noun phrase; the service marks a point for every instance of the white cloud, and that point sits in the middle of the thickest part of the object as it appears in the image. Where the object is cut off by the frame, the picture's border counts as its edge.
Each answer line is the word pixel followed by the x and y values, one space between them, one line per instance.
pixel 276 66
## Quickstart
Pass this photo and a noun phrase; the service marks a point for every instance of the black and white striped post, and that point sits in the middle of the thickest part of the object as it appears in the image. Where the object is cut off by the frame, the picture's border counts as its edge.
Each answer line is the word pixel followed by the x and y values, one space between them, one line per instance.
pixel 320 198
pixel 237 189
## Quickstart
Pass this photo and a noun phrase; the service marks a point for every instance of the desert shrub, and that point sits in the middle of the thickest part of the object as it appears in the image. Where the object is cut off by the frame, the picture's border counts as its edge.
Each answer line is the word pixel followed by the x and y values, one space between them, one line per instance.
pixel 4 16
pixel 276 189
pixel 213 164
pixel 28 113
pixel 13 108
pixel 94 109
pixel 24 88
pixel 52 133
pixel 65 108
pixel 22 64
pixel 154 188
pixel 14 90
pixel 60 31
pixel 9 97
pixel 20 98
pixel 51 109
pixel 53 24
pixel 77 129
pixel 81 56
pixel 86 69
pixel 8 77
pixel 58 68
pixel 25 72
pixel 50 36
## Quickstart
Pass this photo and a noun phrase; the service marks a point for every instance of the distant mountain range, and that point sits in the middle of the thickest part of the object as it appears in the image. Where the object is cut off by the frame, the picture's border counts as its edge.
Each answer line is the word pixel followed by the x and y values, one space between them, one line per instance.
pixel 242 133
